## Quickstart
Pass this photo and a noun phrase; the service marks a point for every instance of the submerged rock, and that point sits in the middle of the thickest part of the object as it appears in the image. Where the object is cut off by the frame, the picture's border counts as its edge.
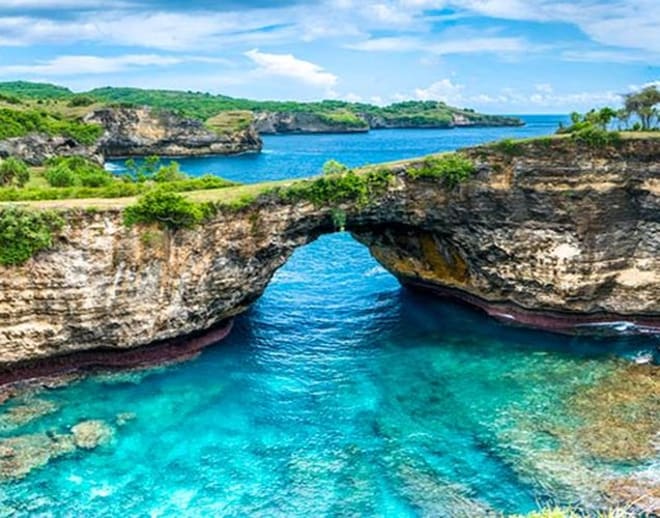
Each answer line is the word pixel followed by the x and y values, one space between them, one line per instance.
pixel 124 418
pixel 20 455
pixel 90 434
pixel 25 412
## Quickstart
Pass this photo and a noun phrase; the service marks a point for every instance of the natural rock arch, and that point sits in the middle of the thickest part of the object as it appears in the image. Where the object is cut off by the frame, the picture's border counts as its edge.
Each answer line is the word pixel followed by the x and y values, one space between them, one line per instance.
pixel 556 236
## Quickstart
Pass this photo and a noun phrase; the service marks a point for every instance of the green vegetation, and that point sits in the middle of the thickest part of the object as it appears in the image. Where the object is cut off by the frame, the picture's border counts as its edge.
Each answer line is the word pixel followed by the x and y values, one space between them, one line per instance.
pixel 204 106
pixel 644 104
pixel 167 209
pixel 592 128
pixel 76 171
pixel 77 177
pixel 229 121
pixel 13 172
pixel 508 147
pixel 452 168
pixel 333 189
pixel 23 233
pixel 29 90
pixel 18 122
pixel 225 114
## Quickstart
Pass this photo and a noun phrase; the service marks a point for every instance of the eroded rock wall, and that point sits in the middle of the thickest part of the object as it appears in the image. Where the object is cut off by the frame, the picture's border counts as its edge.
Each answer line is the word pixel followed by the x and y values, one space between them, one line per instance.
pixel 144 131
pixel 557 231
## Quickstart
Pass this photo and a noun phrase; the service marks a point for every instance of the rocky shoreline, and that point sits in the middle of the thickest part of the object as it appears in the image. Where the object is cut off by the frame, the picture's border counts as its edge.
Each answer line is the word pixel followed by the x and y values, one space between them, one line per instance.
pixel 159 353
pixel 560 234
pixel 134 132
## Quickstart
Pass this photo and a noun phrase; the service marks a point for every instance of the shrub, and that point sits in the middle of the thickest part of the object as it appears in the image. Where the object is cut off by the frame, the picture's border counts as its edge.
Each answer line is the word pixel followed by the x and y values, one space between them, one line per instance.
pixel 453 168
pixel 168 209
pixel 81 100
pixel 169 173
pixel 334 189
pixel 14 171
pixel 60 176
pixel 76 170
pixel 334 167
pixel 23 233
pixel 508 147
pixel 596 137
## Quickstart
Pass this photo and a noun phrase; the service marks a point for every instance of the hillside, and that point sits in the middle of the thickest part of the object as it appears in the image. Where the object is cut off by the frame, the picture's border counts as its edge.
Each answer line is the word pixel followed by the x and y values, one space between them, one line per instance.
pixel 226 113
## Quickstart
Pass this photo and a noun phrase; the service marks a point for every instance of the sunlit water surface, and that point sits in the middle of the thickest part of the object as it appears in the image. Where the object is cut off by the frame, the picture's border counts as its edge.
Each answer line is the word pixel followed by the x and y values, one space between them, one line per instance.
pixel 339 393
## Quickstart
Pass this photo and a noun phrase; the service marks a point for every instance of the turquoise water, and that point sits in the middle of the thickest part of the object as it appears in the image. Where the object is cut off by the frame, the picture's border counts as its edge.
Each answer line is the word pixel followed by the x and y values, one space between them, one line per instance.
pixel 337 394
pixel 295 156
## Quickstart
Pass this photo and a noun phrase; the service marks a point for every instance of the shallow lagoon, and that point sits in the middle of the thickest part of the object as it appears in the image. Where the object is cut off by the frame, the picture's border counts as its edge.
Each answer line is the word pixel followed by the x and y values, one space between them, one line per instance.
pixel 340 393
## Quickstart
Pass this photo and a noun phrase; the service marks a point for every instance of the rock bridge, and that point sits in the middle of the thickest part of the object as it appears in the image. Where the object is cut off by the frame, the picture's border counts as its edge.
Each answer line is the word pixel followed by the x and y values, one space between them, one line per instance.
pixel 554 234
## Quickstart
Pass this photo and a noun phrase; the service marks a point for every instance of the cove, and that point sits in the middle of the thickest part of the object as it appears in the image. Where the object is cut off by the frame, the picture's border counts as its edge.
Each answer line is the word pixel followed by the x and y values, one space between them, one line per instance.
pixel 340 393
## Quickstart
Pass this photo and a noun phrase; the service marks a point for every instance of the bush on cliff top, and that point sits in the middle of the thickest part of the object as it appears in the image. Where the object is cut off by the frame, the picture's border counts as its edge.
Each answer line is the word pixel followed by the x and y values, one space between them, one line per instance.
pixel 13 172
pixel 453 169
pixel 168 209
pixel 76 171
pixel 23 233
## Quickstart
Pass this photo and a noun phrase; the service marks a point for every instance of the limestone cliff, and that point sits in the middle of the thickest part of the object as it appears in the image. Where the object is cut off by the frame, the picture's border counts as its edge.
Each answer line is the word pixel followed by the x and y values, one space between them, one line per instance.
pixel 35 148
pixel 556 235
pixel 135 132
pixel 144 131
pixel 272 123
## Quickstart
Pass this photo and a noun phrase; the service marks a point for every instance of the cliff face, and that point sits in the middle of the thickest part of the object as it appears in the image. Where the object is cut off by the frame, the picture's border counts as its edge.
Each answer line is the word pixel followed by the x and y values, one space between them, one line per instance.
pixel 457 120
pixel 271 123
pixel 143 132
pixel 558 236
pixel 36 148
pixel 134 132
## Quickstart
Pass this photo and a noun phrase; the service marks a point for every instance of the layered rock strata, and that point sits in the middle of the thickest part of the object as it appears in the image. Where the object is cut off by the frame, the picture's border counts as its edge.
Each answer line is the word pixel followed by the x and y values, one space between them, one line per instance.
pixel 558 235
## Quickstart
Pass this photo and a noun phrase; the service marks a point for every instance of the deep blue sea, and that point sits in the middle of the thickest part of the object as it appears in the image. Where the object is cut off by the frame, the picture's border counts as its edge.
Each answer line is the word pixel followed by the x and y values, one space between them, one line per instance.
pixel 338 394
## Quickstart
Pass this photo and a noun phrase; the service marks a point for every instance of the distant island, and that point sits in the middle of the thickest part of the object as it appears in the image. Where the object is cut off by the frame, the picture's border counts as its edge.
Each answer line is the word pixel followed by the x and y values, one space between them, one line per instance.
pixel 40 120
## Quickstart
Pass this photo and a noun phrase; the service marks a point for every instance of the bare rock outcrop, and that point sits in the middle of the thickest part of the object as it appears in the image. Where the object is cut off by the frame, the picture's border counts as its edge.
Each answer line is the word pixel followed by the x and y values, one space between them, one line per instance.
pixel 145 131
pixel 558 235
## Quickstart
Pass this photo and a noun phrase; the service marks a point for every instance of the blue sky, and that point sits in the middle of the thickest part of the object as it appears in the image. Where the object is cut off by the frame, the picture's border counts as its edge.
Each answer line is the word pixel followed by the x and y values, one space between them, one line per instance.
pixel 499 56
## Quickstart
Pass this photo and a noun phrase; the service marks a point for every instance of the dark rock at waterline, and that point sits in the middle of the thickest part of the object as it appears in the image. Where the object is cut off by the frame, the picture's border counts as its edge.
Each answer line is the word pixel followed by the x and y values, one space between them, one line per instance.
pixel 559 235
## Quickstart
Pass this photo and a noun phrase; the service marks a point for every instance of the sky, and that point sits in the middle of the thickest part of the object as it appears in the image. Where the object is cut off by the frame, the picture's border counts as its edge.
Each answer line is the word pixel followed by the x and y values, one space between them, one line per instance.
pixel 497 56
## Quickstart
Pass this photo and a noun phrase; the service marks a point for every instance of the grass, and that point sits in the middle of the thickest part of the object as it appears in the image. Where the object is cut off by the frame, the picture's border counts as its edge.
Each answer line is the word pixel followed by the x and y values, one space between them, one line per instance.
pixel 231 121
pixel 238 196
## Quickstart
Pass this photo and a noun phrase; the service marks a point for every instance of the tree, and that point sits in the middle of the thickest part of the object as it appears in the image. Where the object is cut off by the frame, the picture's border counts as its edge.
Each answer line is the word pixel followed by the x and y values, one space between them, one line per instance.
pixel 643 104
pixel 13 171
pixel 624 117
pixel 604 116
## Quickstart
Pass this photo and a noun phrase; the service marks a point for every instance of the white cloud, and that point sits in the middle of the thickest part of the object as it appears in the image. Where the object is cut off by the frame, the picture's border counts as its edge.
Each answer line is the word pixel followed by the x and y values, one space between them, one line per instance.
pixel 542 98
pixel 544 88
pixel 443 90
pixel 83 65
pixel 462 45
pixel 607 56
pixel 352 97
pixel 388 44
pixel 287 65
